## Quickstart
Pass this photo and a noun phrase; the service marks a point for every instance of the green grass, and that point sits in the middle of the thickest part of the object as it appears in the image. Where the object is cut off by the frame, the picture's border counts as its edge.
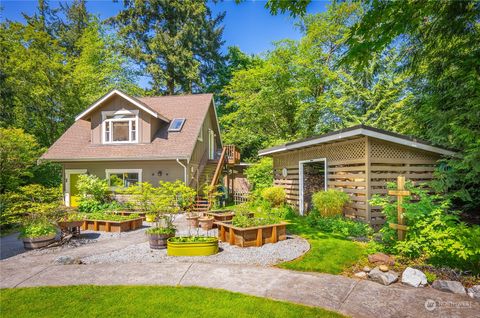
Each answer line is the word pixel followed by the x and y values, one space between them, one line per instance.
pixel 144 301
pixel 328 253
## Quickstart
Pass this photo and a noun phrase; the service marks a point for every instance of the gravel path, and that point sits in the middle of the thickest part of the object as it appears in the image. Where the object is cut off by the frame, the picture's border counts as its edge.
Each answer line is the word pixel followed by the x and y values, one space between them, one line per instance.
pixel 132 247
pixel 268 254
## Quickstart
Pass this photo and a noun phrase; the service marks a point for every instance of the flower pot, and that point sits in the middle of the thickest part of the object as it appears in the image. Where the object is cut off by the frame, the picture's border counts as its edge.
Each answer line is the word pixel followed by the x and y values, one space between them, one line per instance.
pixel 150 218
pixel 38 242
pixel 206 223
pixel 192 220
pixel 192 248
pixel 158 241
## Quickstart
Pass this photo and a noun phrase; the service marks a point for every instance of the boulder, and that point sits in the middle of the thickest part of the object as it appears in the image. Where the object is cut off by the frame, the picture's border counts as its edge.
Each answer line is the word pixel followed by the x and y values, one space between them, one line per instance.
pixel 474 292
pixel 385 278
pixel 361 275
pixel 414 277
pixel 449 286
pixel 381 259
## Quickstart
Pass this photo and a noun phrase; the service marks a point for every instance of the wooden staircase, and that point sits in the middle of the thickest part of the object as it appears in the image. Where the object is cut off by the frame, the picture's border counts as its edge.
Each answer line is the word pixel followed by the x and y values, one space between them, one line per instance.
pixel 212 172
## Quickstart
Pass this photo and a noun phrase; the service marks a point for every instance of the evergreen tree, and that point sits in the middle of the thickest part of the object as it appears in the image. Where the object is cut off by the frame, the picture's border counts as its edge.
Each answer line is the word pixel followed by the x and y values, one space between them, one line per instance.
pixel 177 42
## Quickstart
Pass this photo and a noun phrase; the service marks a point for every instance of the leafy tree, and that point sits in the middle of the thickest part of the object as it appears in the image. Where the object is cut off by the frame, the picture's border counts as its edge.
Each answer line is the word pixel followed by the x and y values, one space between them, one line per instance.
pixel 300 89
pixel 18 154
pixel 177 42
pixel 440 43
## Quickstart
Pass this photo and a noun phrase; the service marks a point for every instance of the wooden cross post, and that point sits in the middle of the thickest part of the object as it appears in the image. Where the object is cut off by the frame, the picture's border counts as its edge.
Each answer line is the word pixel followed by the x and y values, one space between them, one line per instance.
pixel 400 193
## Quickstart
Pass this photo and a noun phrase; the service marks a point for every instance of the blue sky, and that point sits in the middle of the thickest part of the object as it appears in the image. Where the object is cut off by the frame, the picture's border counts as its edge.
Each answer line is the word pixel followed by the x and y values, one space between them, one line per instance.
pixel 248 25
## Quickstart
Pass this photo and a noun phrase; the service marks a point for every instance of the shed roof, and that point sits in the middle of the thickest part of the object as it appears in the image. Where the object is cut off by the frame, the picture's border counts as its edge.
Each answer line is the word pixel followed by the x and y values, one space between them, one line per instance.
pixel 359 130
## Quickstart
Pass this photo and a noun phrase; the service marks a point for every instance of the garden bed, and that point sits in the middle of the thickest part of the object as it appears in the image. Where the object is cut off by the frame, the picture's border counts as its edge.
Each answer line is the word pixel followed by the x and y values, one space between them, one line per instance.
pixel 128 213
pixel 251 236
pixel 112 226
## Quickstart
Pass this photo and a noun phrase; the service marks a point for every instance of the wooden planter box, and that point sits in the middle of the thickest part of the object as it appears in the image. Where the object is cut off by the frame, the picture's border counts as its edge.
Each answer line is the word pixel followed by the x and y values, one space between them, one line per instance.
pixel 127 212
pixel 251 236
pixel 112 226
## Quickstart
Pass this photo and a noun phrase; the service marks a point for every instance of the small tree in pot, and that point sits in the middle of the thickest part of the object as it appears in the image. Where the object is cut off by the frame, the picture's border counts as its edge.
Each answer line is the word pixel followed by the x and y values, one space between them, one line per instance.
pixel 36 207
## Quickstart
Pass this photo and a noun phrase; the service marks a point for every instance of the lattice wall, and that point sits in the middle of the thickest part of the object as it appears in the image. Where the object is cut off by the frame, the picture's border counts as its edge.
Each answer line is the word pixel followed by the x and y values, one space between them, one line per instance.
pixel 345 170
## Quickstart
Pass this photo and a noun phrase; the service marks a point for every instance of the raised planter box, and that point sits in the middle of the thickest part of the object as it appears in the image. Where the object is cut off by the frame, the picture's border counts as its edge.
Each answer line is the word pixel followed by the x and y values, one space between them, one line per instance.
pixel 127 213
pixel 251 236
pixel 192 248
pixel 112 226
pixel 221 216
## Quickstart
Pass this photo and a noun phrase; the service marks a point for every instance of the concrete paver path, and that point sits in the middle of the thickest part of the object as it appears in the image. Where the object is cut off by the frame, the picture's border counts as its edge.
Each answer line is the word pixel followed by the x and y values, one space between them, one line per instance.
pixel 356 298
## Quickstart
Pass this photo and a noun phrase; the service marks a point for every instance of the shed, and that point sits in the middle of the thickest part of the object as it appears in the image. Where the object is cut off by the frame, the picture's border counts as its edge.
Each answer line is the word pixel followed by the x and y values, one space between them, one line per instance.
pixel 359 160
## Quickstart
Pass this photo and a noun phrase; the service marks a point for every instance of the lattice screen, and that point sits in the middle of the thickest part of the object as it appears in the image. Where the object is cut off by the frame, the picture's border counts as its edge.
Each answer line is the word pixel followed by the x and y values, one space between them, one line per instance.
pixel 380 150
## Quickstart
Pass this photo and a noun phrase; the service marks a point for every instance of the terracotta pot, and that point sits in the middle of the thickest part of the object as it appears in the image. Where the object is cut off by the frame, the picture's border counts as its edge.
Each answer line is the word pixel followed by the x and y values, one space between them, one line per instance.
pixel 158 241
pixel 206 223
pixel 38 242
pixel 192 220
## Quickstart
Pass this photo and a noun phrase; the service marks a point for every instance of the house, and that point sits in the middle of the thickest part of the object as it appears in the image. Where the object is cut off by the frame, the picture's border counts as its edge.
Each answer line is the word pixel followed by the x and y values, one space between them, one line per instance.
pixel 128 140
pixel 358 160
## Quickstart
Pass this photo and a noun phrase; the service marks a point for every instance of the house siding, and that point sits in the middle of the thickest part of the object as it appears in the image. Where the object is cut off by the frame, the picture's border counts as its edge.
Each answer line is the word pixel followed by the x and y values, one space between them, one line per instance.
pixel 147 125
pixel 171 170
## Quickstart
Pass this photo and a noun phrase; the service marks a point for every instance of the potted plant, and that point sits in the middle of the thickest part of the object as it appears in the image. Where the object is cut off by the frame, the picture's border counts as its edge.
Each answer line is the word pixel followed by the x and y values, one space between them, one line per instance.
pixel 192 246
pixel 150 217
pixel 163 203
pixel 206 221
pixel 71 222
pixel 38 234
pixel 192 219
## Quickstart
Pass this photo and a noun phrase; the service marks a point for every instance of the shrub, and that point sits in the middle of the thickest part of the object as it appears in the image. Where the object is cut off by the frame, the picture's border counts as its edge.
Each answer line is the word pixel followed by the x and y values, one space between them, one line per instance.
pixel 274 195
pixel 89 205
pixel 434 231
pixel 93 188
pixel 263 215
pixel 37 229
pixel 260 175
pixel 338 225
pixel 330 202
pixel 30 203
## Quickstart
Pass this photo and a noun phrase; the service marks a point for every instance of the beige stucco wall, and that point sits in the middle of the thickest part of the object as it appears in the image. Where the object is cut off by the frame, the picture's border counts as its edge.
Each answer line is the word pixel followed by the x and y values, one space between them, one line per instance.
pixel 171 170
pixel 147 125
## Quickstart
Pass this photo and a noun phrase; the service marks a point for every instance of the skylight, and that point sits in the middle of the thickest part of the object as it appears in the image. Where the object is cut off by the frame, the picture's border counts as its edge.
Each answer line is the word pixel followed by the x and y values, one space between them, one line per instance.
pixel 176 124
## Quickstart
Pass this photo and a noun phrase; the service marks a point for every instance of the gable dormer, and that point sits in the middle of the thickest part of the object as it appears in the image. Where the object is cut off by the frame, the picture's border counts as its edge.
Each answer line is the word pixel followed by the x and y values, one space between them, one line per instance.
pixel 118 118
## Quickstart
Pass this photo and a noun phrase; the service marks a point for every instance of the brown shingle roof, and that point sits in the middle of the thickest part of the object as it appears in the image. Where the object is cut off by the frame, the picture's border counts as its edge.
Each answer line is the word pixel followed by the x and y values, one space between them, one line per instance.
pixel 75 144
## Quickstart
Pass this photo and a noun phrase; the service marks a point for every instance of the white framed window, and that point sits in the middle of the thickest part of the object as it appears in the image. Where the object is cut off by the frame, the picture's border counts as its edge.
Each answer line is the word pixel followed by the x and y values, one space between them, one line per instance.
pixel 120 126
pixel 176 124
pixel 123 178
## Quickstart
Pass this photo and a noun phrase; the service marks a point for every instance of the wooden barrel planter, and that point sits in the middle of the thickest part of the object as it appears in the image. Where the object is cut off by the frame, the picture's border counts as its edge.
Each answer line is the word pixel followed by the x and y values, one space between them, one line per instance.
pixel 112 226
pixel 251 236
pixel 206 248
pixel 38 242
pixel 158 241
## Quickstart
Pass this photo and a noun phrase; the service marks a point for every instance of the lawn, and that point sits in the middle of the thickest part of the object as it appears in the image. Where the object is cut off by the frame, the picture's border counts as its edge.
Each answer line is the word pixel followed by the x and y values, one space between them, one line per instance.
pixel 328 253
pixel 144 301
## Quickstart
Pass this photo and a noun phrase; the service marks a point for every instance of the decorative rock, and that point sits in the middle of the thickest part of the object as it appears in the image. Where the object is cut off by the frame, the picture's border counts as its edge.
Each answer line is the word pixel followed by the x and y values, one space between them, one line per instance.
pixel 385 278
pixel 474 292
pixel 66 260
pixel 413 277
pixel 449 286
pixel 367 269
pixel 380 258
pixel 383 268
pixel 362 275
